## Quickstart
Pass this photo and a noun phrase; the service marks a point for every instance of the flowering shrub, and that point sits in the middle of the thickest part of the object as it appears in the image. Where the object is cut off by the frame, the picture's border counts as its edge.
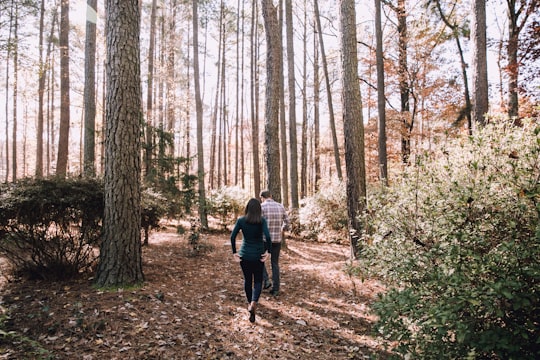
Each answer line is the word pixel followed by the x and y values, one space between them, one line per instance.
pixel 327 209
pixel 457 241
pixel 227 203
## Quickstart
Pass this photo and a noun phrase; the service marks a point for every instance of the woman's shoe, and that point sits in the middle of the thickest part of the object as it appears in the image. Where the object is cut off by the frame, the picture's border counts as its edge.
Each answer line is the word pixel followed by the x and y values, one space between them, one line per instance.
pixel 251 309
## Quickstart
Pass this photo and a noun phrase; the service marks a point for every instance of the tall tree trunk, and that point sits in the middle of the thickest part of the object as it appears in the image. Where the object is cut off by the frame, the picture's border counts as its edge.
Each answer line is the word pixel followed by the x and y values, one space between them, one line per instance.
pixel 160 145
pixel 500 70
pixel 316 114
pixel 303 141
pixel 149 95
pixel 25 141
pixel 254 102
pixel 48 76
pixel 199 113
pixel 120 260
pixel 102 140
pixel 159 113
pixel 171 75
pixel 237 108
pixel 353 124
pixel 242 147
pixel 404 89
pixel 6 115
pixel 223 106
pixel 50 114
pixel 215 147
pixel 271 128
pixel 63 137
pixel 479 62
pixel 513 65
pixel 519 12
pixel 41 93
pixel 212 172
pixel 282 117
pixel 381 97
pixel 219 107
pixel 188 115
pixel 213 132
pixel 293 140
pixel 15 90
pixel 90 92
pixel 328 92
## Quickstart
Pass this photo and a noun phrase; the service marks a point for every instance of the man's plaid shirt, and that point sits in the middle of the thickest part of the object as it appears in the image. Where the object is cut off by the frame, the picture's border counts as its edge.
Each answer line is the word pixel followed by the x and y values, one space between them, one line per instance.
pixel 277 219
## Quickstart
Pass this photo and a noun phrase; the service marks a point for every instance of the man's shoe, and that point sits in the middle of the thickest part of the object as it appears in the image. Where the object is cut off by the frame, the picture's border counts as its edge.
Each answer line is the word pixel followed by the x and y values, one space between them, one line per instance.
pixel 267 285
pixel 274 292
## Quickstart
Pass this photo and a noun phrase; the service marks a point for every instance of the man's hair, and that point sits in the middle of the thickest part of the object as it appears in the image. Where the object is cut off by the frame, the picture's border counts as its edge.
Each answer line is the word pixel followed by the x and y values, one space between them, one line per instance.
pixel 266 194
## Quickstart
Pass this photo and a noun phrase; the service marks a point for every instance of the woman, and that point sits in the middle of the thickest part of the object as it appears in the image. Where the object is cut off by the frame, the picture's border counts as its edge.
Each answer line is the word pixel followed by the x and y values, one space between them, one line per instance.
pixel 253 252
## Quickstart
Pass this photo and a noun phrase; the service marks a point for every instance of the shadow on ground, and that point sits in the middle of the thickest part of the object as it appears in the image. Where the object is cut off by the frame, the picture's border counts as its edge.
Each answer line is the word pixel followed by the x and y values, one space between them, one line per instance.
pixel 193 307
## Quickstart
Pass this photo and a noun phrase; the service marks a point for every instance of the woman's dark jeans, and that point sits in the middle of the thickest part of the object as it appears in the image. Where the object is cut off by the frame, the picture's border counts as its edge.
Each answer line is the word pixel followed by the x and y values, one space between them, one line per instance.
pixel 253 274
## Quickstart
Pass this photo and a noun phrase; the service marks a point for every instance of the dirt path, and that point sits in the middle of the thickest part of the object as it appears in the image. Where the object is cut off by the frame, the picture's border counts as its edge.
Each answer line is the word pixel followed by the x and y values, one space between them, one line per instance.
pixel 194 308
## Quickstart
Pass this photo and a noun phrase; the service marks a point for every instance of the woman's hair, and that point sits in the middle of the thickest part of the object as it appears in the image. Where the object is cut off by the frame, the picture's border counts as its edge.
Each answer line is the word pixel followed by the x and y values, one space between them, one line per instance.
pixel 253 211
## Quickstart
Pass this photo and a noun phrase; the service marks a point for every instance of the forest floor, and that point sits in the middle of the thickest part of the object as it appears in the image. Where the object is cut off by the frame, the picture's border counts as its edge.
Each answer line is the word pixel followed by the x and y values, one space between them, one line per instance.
pixel 193 307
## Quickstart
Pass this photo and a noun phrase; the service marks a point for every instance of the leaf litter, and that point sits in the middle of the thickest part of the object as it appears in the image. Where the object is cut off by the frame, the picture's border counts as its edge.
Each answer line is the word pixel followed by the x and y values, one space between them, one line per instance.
pixel 193 307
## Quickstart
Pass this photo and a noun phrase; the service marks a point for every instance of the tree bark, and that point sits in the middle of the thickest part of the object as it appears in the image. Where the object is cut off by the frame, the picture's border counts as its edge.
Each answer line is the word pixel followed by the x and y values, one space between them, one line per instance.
pixel 238 100
pixel 215 147
pixel 120 260
pixel 254 88
pixel 199 113
pixel 271 129
pixel 223 105
pixel 6 115
pixel 282 117
pixel 381 97
pixel 353 124
pixel 316 115
pixel 242 143
pixel 188 113
pixel 519 11
pixel 90 94
pixel 15 91
pixel 63 137
pixel 149 95
pixel 171 76
pixel 50 112
pixel 479 62
pixel 41 93
pixel 293 140
pixel 404 89
pixel 303 135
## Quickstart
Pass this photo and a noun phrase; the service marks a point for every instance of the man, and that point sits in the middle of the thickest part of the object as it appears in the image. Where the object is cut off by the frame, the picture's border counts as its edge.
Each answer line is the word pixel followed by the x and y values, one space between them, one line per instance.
pixel 278 221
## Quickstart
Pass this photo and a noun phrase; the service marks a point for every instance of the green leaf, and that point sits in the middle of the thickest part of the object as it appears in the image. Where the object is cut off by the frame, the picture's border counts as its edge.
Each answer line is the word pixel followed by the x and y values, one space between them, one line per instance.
pixel 507 294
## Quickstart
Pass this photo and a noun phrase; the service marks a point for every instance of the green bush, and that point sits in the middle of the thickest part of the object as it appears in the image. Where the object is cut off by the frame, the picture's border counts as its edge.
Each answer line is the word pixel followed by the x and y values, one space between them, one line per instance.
pixel 457 242
pixel 48 228
pixel 227 203
pixel 153 209
pixel 51 228
pixel 327 209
